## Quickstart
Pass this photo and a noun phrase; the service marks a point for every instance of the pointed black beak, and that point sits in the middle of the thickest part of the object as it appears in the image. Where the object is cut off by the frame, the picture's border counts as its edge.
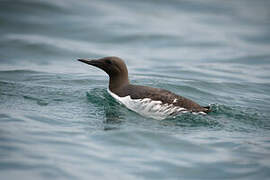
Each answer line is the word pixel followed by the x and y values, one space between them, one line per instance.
pixel 92 62
pixel 95 62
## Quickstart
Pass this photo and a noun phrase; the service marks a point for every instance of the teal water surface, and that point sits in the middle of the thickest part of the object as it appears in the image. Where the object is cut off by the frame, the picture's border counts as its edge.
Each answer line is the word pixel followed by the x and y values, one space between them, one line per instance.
pixel 57 120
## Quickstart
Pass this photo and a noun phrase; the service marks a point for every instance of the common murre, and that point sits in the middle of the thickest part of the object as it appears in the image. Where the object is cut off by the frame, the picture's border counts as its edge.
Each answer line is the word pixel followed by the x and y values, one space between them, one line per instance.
pixel 150 102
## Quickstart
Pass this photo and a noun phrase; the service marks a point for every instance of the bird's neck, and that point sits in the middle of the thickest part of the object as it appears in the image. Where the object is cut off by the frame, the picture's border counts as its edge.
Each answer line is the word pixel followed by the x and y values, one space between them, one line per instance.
pixel 117 82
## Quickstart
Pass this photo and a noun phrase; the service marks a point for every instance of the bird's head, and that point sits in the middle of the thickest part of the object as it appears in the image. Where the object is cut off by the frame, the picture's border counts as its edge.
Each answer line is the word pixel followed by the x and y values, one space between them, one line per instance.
pixel 113 66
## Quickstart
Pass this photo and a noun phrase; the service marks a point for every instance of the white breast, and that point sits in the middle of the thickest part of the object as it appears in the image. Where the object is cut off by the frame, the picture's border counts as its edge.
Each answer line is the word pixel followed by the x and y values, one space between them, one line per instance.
pixel 148 107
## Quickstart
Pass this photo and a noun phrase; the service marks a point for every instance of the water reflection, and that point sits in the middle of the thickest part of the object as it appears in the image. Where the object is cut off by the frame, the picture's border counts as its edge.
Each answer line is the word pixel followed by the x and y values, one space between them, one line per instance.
pixel 113 117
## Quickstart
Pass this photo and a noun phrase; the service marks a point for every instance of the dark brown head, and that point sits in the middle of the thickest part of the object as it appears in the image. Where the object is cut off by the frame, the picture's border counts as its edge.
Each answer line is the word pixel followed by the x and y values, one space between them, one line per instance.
pixel 114 67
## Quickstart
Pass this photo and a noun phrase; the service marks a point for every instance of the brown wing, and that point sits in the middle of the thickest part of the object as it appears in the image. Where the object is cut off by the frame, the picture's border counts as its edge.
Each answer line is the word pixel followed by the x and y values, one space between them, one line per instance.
pixel 165 96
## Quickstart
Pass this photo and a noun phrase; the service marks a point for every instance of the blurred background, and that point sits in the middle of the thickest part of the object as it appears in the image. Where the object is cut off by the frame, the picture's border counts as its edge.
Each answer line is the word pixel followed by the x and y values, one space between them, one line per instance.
pixel 57 120
pixel 149 32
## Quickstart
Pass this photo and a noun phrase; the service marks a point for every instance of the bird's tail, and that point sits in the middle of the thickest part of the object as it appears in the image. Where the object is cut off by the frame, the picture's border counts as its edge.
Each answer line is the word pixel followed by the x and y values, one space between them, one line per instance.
pixel 207 109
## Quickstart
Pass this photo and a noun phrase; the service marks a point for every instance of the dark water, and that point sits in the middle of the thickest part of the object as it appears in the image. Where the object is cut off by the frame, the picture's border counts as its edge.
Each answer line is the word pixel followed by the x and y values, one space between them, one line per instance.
pixel 58 122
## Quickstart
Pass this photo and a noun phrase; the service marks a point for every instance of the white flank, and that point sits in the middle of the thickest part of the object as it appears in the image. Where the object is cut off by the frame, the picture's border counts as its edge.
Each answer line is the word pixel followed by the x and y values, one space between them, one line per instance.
pixel 149 108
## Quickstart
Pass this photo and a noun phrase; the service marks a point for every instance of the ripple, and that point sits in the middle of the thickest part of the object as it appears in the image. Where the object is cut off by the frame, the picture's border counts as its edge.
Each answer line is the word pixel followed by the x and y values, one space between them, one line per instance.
pixel 57 120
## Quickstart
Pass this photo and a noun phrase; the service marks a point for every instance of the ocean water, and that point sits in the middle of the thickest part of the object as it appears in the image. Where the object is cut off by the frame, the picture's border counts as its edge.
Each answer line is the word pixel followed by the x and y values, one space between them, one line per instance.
pixel 57 120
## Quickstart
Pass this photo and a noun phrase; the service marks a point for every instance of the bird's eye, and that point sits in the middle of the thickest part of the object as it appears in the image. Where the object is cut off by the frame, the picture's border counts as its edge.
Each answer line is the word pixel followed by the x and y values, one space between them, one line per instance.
pixel 108 61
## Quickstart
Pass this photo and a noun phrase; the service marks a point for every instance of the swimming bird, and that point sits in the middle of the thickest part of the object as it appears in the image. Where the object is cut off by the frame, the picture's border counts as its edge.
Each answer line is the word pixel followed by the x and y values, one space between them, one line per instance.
pixel 148 101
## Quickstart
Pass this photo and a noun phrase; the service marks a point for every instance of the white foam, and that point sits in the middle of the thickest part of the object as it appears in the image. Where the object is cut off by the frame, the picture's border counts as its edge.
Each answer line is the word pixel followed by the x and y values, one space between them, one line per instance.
pixel 149 108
